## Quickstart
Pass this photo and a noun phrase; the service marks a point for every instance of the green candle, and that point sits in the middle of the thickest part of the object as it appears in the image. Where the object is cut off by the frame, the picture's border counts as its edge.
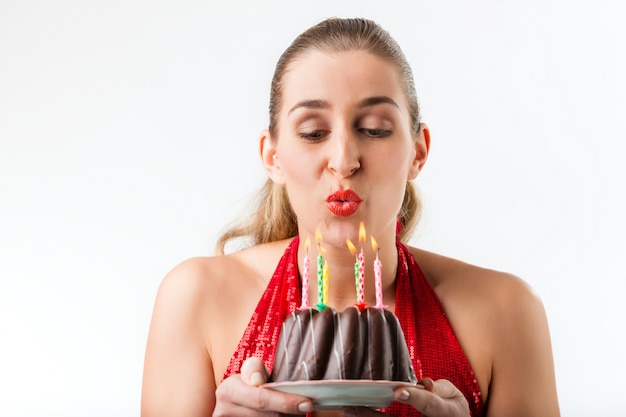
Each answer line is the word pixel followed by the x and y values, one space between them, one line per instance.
pixel 320 271
pixel 320 279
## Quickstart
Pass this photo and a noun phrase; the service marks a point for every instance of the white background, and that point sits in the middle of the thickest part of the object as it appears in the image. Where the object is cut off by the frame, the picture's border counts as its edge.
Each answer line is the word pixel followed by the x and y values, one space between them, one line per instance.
pixel 128 141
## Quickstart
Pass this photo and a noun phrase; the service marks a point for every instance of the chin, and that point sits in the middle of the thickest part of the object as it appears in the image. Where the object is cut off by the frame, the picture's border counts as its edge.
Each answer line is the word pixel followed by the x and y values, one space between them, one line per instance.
pixel 335 231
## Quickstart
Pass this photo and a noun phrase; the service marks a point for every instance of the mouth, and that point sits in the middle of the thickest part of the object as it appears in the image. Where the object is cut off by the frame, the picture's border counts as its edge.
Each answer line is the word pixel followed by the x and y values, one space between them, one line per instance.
pixel 343 203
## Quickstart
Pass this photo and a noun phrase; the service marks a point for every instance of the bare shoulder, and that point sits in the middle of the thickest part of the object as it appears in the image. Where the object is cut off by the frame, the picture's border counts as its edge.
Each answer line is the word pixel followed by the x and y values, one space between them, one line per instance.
pixel 202 306
pixel 493 304
pixel 501 324
pixel 454 278
pixel 202 277
pixel 210 288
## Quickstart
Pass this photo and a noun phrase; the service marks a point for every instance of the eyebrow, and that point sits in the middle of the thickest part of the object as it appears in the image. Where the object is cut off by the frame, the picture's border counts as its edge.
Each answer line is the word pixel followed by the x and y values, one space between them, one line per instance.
pixel 323 104
pixel 372 101
pixel 310 104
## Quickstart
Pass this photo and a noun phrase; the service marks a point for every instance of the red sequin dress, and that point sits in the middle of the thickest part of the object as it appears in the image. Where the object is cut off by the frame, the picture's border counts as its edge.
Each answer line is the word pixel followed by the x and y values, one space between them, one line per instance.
pixel 433 346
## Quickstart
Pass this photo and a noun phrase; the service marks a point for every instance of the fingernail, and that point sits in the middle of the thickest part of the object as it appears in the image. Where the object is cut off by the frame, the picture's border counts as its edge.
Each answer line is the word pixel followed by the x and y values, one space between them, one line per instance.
pixel 428 384
pixel 305 407
pixel 256 378
pixel 348 412
pixel 404 395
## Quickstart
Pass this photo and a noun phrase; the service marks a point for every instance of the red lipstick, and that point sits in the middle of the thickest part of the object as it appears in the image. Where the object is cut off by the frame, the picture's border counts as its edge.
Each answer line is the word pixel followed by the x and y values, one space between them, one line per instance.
pixel 343 203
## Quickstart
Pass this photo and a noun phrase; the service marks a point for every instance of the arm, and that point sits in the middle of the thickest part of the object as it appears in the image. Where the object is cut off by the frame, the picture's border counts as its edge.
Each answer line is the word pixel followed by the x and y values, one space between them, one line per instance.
pixel 523 381
pixel 179 378
pixel 178 374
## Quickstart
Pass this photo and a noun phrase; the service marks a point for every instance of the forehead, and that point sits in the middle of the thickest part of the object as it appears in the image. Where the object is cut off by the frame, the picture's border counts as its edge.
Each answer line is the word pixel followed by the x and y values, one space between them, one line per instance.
pixel 340 78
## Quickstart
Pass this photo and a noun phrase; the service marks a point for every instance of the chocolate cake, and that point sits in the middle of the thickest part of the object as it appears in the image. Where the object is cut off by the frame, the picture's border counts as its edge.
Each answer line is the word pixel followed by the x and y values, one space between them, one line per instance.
pixel 351 344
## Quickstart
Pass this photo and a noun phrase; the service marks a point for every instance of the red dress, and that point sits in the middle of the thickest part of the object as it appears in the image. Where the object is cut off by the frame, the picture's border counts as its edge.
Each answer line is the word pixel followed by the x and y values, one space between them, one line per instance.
pixel 433 346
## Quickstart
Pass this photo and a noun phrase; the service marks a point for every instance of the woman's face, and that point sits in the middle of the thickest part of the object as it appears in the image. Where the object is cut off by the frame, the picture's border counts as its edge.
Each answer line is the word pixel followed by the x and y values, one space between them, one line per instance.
pixel 345 148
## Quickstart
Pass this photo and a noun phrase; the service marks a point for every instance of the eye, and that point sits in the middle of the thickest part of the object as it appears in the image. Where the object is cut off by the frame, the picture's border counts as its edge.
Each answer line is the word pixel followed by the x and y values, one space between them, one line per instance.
pixel 313 134
pixel 375 133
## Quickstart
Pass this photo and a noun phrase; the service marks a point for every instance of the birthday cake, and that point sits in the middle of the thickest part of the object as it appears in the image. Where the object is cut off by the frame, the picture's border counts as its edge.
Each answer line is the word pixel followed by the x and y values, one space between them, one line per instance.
pixel 358 343
pixel 352 344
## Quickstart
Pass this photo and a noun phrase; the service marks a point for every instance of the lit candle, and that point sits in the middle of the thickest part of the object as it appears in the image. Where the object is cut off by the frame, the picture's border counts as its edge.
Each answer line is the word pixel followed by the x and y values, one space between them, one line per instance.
pixel 305 277
pixel 356 266
pixel 320 272
pixel 325 278
pixel 361 290
pixel 378 267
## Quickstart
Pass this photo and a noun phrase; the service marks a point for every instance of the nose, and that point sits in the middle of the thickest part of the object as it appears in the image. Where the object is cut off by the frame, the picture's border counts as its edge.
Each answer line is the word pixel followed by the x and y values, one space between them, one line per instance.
pixel 344 159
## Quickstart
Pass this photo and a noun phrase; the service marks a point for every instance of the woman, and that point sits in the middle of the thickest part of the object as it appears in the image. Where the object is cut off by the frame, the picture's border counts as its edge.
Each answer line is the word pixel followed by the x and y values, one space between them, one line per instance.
pixel 343 144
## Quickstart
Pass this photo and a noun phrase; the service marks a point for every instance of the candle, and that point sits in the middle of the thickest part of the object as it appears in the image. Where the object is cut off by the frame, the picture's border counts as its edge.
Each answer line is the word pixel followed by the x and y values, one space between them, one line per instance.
pixel 361 259
pixel 320 272
pixel 361 279
pixel 378 266
pixel 356 266
pixel 304 305
pixel 325 278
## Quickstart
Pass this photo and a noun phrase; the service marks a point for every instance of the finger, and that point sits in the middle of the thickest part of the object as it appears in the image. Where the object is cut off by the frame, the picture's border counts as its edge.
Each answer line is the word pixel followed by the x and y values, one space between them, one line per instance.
pixel 428 383
pixel 422 400
pixel 234 391
pixel 430 397
pixel 445 389
pixel 253 371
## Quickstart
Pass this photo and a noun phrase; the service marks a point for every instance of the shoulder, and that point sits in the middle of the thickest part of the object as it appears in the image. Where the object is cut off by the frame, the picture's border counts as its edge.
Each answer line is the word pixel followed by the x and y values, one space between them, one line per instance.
pixel 254 265
pixel 207 280
pixel 194 280
pixel 199 313
pixel 501 323
pixel 499 303
pixel 216 295
pixel 457 279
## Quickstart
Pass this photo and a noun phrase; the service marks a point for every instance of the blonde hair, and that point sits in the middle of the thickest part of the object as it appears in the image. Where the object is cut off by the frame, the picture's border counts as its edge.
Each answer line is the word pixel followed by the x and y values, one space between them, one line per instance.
pixel 273 218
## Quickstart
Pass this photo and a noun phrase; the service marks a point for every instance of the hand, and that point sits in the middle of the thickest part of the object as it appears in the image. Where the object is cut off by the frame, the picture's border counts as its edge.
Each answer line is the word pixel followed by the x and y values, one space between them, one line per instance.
pixel 432 398
pixel 241 395
pixel 436 399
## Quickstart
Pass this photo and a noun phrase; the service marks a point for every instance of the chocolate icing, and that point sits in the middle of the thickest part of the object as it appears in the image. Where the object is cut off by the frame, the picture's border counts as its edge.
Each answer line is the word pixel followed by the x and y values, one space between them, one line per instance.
pixel 351 344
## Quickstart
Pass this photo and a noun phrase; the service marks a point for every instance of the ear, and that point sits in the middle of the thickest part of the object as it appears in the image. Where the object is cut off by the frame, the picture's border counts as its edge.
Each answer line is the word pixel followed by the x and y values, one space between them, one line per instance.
pixel 269 158
pixel 422 147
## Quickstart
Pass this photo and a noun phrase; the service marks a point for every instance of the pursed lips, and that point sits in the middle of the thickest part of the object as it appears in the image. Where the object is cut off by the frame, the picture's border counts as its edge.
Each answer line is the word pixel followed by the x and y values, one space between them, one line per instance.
pixel 343 203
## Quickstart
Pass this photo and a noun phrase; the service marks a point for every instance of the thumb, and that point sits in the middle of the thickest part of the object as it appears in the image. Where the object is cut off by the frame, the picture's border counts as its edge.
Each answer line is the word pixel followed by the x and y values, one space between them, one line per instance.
pixel 447 397
pixel 441 387
pixel 253 371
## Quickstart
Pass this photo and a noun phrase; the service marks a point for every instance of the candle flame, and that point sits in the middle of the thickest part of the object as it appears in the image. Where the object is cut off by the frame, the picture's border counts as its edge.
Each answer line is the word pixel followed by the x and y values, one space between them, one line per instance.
pixel 361 233
pixel 374 244
pixel 351 247
pixel 307 244
pixel 318 236
pixel 324 253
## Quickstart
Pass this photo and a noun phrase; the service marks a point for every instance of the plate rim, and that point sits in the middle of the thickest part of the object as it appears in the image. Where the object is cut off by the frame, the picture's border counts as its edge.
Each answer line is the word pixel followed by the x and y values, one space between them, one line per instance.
pixel 384 382
pixel 338 400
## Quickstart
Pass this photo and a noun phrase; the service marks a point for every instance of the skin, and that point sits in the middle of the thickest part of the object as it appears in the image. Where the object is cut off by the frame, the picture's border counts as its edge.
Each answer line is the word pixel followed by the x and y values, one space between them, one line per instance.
pixel 334 135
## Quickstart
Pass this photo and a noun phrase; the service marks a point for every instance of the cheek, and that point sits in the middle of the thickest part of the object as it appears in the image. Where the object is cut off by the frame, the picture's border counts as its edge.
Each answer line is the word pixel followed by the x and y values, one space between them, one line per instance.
pixel 301 172
pixel 393 164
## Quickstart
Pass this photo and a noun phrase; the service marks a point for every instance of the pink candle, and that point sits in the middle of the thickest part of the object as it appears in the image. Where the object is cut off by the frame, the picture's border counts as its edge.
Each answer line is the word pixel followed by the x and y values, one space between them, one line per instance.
pixel 305 278
pixel 361 286
pixel 360 302
pixel 378 273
